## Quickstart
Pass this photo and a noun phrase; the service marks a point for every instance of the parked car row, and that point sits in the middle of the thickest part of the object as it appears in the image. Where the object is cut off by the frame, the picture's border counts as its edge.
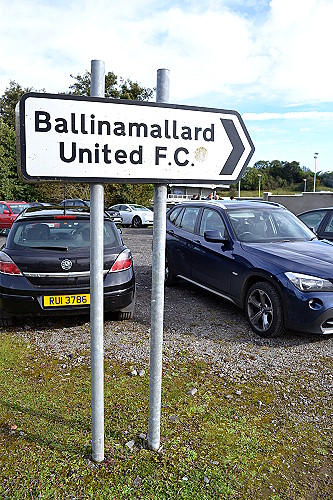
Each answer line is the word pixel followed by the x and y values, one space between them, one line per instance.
pixel 257 255
pixel 126 214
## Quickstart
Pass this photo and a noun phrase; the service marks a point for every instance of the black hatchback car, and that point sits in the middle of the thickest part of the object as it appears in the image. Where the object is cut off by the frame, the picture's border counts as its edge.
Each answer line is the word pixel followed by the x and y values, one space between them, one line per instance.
pixel 45 266
pixel 320 221
pixel 259 256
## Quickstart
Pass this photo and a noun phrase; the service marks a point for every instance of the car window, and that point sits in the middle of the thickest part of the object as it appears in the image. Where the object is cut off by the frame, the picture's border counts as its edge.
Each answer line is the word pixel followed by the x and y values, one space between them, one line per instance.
pixel 261 225
pixel 17 208
pixel 2 208
pixel 329 226
pixel 211 220
pixel 65 233
pixel 173 216
pixel 313 219
pixel 189 218
pixel 140 208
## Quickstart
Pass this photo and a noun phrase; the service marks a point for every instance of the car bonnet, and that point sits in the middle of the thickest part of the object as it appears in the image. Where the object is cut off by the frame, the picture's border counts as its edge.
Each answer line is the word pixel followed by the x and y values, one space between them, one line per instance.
pixel 308 257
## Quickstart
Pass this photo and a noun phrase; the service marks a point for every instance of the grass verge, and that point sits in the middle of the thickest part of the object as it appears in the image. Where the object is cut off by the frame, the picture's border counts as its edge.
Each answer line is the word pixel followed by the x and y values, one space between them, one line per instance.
pixel 260 439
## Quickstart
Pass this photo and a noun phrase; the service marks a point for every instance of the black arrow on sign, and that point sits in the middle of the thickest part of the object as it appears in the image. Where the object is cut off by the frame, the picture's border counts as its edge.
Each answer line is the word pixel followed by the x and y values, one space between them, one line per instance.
pixel 237 147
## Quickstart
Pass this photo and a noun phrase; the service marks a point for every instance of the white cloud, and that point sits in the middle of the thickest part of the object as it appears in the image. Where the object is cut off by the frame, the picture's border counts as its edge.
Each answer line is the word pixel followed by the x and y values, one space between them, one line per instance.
pixel 301 115
pixel 282 55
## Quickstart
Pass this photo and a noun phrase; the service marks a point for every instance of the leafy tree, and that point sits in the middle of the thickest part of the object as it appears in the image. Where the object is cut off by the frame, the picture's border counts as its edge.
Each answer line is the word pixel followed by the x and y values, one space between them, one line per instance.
pixel 124 89
pixel 250 179
pixel 326 178
pixel 54 192
pixel 276 175
pixel 128 193
pixel 8 102
pixel 11 187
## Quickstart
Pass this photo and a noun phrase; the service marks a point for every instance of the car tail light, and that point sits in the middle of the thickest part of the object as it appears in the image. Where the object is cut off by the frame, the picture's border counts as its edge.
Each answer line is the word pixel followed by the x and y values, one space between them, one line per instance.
pixel 123 261
pixel 7 266
pixel 65 216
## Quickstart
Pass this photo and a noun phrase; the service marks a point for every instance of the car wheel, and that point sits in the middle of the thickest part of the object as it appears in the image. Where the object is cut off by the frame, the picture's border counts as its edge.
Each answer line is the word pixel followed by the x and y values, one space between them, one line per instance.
pixel 264 310
pixel 136 221
pixel 169 277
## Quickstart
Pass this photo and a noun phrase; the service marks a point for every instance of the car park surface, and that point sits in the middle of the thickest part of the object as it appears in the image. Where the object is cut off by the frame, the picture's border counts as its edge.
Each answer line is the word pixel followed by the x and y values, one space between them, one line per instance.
pixel 257 255
pixel 320 221
pixel 44 266
pixel 134 215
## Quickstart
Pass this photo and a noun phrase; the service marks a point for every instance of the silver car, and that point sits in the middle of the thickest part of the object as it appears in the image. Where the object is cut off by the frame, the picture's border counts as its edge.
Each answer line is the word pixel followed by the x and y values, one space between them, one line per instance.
pixel 134 215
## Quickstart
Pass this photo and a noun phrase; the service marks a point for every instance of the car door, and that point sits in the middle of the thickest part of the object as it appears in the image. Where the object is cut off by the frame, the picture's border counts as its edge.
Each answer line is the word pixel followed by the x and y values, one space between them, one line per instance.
pixel 6 216
pixel 325 230
pixel 180 231
pixel 313 219
pixel 212 263
pixel 126 213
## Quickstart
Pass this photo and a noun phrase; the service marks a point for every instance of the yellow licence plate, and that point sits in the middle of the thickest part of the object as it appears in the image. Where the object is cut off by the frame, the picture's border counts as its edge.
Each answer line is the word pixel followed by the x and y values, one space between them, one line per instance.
pixel 66 300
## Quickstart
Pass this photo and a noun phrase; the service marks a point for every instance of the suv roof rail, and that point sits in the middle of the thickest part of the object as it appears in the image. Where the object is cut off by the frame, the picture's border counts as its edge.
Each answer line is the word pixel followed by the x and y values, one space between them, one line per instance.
pixel 274 203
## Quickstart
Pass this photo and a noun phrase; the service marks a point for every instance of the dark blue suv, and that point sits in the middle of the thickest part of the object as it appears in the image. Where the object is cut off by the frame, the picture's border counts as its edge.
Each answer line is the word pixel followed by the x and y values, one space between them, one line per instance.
pixel 259 256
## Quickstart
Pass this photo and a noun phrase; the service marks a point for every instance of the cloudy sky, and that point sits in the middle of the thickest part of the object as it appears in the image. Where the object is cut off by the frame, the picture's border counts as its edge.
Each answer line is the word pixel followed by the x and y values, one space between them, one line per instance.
pixel 269 60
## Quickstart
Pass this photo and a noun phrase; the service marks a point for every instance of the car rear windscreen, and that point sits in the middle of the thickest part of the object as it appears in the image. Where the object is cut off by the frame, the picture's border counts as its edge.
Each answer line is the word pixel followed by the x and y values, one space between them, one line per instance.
pixel 60 233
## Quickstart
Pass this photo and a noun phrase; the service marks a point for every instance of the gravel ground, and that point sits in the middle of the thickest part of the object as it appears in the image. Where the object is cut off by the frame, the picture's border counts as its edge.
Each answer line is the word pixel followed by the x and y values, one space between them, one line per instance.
pixel 197 325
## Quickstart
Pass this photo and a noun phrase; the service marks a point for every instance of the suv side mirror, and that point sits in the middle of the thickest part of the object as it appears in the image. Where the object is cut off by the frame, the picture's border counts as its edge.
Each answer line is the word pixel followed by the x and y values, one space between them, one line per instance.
pixel 215 236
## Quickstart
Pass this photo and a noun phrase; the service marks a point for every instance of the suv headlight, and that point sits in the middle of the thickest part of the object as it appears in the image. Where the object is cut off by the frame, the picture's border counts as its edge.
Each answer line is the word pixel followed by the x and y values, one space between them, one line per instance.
pixel 307 283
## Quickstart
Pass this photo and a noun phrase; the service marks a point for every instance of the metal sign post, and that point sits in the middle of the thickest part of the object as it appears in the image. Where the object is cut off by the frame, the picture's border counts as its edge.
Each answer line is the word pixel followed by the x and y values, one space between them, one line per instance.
pixel 96 290
pixel 157 292
pixel 96 140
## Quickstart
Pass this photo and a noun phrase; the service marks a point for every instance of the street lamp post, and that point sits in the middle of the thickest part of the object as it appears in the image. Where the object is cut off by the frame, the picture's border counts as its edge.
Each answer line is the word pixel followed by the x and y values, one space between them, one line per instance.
pixel 259 175
pixel 304 185
pixel 315 172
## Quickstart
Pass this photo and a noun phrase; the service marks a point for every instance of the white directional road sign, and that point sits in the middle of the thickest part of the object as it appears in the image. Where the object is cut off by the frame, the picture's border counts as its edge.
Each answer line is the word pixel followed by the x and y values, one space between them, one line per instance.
pixel 91 139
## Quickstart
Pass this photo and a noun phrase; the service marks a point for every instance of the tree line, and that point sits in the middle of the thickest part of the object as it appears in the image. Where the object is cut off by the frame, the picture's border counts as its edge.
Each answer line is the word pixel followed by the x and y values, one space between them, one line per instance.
pixel 283 175
pixel 274 174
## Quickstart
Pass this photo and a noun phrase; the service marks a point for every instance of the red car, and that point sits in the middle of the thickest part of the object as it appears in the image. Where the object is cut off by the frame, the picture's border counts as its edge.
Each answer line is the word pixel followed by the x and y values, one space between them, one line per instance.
pixel 9 210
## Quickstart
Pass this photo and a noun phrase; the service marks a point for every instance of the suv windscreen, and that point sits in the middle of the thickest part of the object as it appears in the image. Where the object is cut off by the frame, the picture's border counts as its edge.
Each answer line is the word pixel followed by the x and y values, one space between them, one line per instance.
pixel 253 224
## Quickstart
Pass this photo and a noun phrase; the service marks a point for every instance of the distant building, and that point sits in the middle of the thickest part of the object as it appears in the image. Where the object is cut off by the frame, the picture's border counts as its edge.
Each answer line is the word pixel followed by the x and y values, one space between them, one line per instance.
pixel 181 192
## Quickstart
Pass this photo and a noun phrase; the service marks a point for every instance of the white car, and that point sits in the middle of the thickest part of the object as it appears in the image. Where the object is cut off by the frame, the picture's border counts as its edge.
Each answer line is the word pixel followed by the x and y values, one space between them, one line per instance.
pixel 134 215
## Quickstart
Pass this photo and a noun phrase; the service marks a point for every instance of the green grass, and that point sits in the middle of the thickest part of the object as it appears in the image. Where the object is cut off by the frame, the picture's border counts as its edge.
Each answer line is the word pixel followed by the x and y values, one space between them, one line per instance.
pixel 250 445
